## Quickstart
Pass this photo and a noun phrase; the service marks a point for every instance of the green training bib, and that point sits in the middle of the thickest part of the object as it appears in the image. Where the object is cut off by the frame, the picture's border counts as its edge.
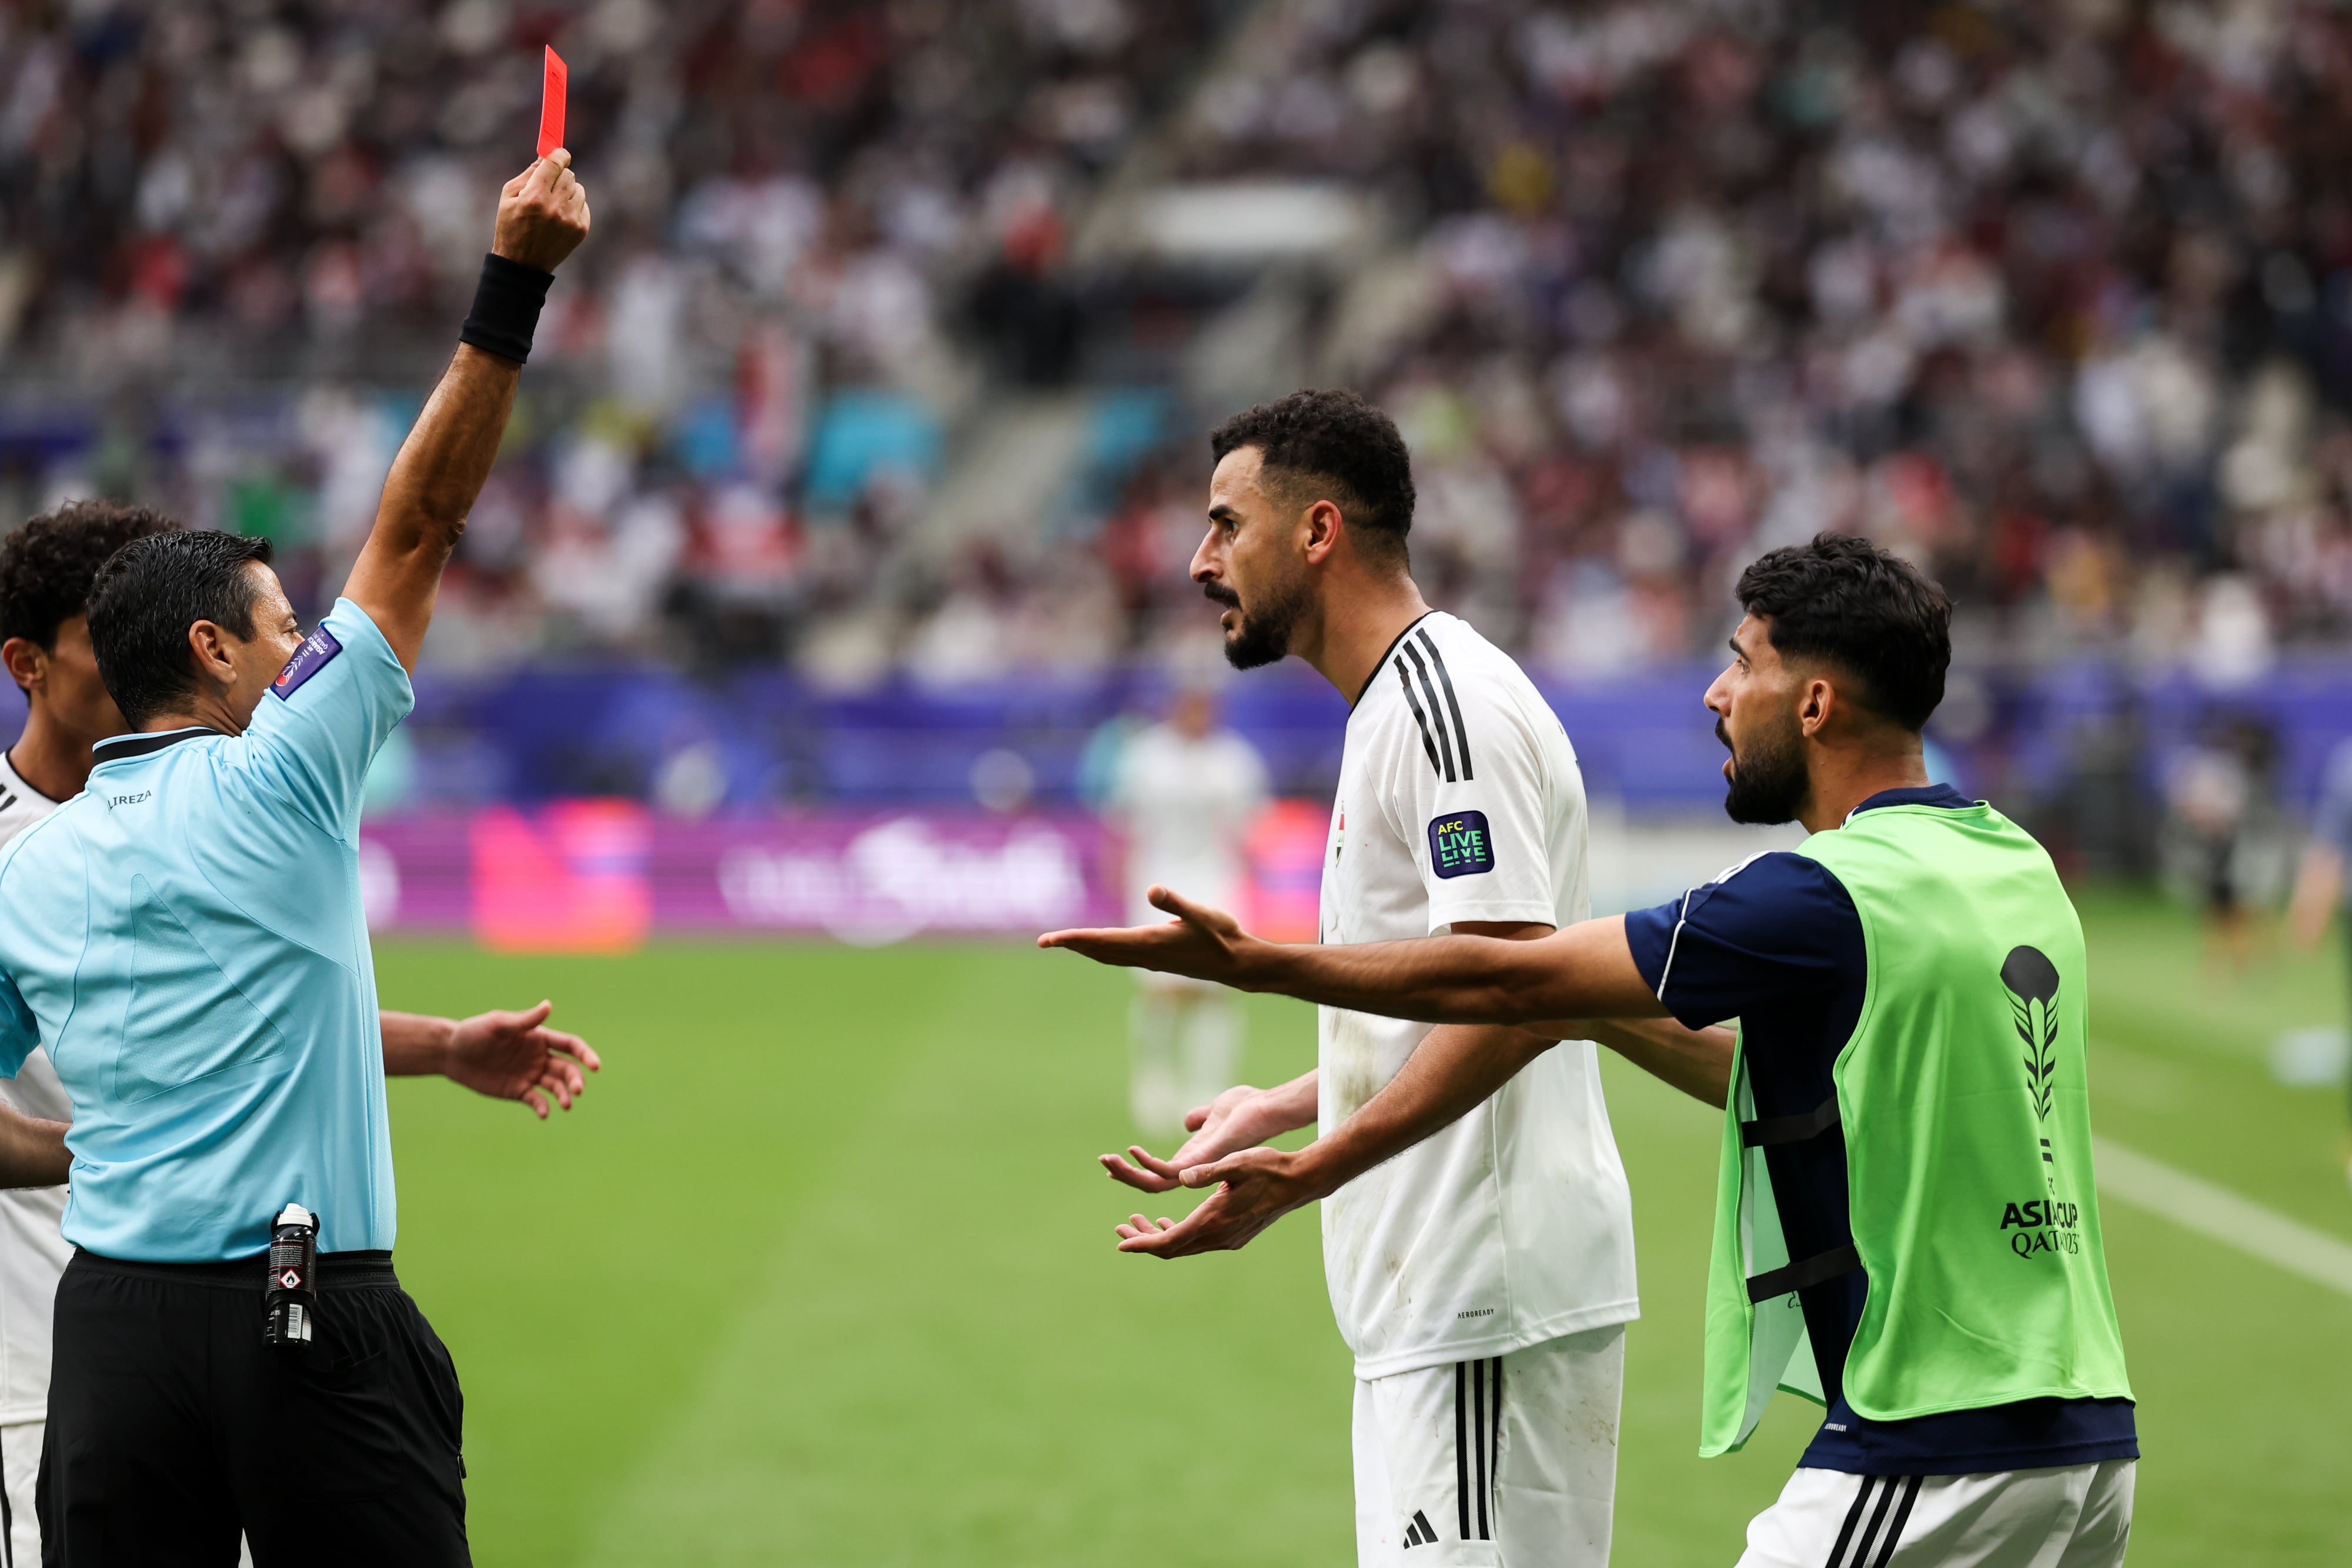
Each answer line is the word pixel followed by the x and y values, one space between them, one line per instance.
pixel 1962 1098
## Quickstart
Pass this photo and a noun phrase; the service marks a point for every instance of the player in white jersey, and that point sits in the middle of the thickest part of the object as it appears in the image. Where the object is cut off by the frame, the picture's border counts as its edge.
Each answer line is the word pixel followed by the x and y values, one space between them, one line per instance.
pixel 46 570
pixel 1483 1277
pixel 32 1252
pixel 1184 796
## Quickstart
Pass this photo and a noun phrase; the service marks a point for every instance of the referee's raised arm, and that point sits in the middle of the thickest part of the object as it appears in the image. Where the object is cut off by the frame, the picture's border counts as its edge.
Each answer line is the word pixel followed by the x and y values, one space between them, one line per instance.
pixel 543 218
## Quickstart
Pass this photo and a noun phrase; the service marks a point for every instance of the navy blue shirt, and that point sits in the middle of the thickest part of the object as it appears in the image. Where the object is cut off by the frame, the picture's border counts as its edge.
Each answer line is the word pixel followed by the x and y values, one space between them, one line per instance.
pixel 1776 944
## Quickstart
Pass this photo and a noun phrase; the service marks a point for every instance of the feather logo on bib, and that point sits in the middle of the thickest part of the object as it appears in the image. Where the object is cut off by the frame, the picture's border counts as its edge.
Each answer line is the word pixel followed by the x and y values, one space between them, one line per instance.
pixel 317 651
pixel 2032 980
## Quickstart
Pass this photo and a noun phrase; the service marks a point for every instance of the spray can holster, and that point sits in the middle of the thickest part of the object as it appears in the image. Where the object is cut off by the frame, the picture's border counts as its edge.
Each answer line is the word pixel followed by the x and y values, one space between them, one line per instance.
pixel 291 1306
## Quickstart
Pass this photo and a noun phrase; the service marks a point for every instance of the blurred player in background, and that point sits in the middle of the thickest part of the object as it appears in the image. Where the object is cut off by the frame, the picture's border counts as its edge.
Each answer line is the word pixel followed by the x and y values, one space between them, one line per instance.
pixel 2321 888
pixel 46 570
pixel 1483 1279
pixel 1183 797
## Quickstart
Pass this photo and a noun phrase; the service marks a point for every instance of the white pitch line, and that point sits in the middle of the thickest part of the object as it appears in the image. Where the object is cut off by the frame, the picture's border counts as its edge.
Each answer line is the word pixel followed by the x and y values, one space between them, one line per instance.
pixel 2216 1212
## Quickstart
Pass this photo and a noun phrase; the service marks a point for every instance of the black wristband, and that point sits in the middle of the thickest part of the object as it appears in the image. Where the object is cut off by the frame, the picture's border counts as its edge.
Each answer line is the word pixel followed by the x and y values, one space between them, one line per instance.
pixel 506 309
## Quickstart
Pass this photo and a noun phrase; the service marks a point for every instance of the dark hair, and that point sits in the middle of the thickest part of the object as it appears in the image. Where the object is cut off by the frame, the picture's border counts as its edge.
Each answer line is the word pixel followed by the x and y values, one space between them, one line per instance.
pixel 46 567
pixel 1874 615
pixel 1334 438
pixel 148 595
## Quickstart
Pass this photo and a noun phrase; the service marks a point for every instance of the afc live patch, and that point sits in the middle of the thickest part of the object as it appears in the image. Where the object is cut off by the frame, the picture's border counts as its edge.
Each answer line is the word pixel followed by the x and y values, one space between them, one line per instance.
pixel 1460 845
pixel 317 651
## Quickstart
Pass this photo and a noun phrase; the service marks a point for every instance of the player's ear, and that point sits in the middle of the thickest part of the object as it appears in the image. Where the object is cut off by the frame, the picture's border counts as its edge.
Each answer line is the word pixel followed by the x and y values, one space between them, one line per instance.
pixel 1322 528
pixel 1820 697
pixel 27 662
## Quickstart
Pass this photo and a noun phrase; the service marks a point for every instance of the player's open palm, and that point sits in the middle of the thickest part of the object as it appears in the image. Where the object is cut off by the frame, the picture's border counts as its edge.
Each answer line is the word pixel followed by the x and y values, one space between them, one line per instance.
pixel 1202 943
pixel 542 214
pixel 514 1056
pixel 1233 1120
pixel 1255 1189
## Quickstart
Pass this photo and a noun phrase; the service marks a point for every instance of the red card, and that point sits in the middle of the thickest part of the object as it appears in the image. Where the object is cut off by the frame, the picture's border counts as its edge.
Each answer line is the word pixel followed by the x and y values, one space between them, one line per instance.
pixel 551 105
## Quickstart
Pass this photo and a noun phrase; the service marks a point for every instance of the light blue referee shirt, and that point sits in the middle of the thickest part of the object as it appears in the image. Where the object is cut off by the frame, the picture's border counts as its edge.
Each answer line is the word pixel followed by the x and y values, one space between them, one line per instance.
pixel 186 937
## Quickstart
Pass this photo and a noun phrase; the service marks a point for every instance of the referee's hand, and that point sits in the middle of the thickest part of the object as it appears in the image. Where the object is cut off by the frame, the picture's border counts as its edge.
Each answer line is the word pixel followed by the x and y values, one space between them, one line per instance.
pixel 542 214
pixel 514 1056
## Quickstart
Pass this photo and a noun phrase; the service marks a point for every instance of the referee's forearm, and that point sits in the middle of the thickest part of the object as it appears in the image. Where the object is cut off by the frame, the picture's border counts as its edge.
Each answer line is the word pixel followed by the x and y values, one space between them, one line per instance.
pixel 415 1045
pixel 431 488
pixel 447 458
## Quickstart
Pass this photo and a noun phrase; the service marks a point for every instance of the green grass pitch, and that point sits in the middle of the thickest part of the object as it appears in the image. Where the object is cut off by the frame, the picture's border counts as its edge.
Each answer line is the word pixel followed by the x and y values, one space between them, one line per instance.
pixel 822 1274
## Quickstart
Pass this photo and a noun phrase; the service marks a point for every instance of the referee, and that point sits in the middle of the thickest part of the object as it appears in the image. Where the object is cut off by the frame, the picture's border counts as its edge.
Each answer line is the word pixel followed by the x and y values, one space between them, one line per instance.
pixel 1906 1229
pixel 186 940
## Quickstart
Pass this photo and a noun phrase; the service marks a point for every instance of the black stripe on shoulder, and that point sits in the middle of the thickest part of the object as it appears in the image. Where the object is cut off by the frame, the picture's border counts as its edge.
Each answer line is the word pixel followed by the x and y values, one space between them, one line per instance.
pixel 1428 742
pixel 1445 742
pixel 1453 704
pixel 1386 652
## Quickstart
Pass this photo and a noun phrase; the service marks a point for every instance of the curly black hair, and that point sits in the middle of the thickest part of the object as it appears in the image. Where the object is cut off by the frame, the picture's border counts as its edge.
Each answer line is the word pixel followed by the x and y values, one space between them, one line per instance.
pixel 46 567
pixel 1868 613
pixel 1338 439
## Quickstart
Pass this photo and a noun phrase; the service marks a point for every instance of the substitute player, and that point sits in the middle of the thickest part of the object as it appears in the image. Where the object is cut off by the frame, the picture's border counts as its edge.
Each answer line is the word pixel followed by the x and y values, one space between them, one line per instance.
pixel 46 568
pixel 1483 1277
pixel 1907 1229
pixel 1183 797
pixel 186 939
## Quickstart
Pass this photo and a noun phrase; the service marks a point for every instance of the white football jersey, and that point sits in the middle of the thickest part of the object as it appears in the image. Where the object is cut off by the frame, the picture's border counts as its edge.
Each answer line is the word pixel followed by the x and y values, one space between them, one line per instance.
pixel 33 1251
pixel 1460 800
pixel 1186 807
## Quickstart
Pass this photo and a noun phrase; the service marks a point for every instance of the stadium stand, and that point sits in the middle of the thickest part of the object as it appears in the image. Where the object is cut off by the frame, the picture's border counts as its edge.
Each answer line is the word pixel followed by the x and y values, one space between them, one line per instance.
pixel 890 378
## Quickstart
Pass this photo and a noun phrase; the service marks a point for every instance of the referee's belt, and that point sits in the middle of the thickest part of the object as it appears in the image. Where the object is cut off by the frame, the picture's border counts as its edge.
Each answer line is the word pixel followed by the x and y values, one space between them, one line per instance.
pixel 336 1270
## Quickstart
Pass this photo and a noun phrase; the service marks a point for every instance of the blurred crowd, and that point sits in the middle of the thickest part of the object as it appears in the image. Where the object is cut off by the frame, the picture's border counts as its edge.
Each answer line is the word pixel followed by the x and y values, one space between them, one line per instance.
pixel 205 203
pixel 2056 299
pixel 2053 296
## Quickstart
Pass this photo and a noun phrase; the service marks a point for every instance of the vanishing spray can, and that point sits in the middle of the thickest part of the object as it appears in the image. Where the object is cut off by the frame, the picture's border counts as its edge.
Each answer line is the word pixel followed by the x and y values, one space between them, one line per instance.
pixel 291 1304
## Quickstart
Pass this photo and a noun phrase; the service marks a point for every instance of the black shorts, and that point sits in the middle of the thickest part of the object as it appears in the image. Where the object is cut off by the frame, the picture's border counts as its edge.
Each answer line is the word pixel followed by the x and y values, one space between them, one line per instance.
pixel 172 1425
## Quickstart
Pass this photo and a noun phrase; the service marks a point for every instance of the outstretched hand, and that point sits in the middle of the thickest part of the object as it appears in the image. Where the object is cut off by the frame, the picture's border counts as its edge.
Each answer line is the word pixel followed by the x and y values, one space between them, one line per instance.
pixel 513 1056
pixel 1260 1186
pixel 1202 943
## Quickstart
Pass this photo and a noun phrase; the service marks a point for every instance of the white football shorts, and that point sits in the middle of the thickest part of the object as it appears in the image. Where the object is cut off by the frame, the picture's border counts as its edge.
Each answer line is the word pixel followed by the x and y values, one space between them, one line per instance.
pixel 1509 1462
pixel 20 1464
pixel 2074 1516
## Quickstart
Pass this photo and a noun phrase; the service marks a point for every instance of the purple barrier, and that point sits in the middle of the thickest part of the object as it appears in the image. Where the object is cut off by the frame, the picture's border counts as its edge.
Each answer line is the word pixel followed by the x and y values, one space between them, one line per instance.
pixel 603 876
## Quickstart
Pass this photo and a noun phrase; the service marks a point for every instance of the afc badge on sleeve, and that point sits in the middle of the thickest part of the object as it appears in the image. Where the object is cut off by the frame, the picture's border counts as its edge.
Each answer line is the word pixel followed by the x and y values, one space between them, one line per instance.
pixel 317 651
pixel 1460 844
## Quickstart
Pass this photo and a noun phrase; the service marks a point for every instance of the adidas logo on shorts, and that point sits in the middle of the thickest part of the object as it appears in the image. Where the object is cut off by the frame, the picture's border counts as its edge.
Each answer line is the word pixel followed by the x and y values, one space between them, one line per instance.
pixel 1417 1533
